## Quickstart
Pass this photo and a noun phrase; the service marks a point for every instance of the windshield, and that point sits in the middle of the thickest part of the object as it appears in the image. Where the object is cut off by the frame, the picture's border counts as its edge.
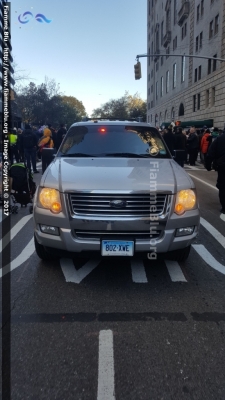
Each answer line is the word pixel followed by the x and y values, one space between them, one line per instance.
pixel 114 140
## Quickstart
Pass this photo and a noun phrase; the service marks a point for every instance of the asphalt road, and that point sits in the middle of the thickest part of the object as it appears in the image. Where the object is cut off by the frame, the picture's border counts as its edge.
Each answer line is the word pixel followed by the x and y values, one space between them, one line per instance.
pixel 119 329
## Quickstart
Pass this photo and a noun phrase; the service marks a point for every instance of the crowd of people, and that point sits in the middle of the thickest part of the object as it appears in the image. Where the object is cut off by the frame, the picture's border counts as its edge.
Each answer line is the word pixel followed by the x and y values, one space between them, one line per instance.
pixel 27 145
pixel 194 143
pixel 208 145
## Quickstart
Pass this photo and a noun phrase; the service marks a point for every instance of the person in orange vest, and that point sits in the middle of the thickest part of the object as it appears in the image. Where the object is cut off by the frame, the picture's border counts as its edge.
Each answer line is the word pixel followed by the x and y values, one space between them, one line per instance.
pixel 205 143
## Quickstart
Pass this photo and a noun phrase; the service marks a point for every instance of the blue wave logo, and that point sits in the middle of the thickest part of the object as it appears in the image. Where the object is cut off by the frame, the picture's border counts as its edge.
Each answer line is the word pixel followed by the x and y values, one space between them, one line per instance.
pixel 41 18
pixel 25 16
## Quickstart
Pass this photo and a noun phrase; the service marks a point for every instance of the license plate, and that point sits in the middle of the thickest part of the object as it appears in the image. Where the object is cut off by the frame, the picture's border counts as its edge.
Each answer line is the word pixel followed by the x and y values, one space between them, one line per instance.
pixel 117 248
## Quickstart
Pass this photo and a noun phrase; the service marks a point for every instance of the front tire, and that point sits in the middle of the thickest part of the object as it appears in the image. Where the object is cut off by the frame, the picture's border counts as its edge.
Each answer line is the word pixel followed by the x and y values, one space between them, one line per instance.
pixel 180 255
pixel 42 252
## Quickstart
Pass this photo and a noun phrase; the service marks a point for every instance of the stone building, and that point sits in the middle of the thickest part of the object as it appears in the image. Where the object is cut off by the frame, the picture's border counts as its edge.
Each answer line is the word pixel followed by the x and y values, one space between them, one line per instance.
pixel 188 89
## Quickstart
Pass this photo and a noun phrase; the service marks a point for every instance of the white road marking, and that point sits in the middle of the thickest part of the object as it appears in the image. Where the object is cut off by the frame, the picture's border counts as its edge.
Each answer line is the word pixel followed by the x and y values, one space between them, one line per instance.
pixel 213 231
pixel 73 275
pixel 106 385
pixel 222 216
pixel 1 216
pixel 16 229
pixel 175 271
pixel 208 258
pixel 24 255
pixel 206 183
pixel 138 271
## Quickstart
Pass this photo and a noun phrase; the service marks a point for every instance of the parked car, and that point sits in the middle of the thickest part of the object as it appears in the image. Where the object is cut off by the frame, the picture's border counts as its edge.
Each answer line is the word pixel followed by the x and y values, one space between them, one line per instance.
pixel 114 189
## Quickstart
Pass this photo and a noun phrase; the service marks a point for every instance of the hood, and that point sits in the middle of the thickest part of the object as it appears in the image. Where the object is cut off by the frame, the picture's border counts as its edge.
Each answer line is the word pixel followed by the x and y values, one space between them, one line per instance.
pixel 47 132
pixel 78 174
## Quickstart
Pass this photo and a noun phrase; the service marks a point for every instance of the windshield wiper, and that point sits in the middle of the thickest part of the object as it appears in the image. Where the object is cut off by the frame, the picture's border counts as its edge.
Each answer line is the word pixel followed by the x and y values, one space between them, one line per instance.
pixel 131 155
pixel 78 155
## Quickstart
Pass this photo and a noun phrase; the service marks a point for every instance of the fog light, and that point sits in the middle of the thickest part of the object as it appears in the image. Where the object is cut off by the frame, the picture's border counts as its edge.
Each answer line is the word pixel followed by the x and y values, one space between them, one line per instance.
pixel 185 231
pixel 51 230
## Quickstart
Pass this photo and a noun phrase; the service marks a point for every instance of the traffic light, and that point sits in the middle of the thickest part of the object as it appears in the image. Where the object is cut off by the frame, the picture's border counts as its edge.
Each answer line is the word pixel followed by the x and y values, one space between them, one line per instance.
pixel 137 70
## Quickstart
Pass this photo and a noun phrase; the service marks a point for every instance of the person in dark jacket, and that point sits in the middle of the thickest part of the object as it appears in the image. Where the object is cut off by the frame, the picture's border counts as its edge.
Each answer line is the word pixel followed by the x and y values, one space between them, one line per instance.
pixel 168 137
pixel 192 145
pixel 216 155
pixel 29 147
pixel 60 135
pixel 180 146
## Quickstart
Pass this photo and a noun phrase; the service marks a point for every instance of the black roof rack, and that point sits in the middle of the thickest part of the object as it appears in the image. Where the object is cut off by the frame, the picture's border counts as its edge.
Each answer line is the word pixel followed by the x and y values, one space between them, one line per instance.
pixel 138 119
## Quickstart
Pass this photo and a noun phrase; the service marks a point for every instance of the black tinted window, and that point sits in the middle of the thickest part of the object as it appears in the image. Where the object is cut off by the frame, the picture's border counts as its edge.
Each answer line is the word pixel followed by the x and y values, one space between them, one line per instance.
pixel 103 140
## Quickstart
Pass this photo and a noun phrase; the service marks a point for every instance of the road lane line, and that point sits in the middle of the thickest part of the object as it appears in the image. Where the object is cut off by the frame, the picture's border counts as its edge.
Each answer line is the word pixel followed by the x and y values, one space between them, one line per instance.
pixel 222 216
pixel 208 258
pixel 175 271
pixel 16 229
pixel 73 275
pixel 106 385
pixel 25 254
pixel 213 231
pixel 208 184
pixel 138 271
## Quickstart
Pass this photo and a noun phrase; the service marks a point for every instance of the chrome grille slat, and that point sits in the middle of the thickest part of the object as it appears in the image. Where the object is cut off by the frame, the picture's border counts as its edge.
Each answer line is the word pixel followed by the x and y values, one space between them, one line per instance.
pixel 99 204
pixel 145 235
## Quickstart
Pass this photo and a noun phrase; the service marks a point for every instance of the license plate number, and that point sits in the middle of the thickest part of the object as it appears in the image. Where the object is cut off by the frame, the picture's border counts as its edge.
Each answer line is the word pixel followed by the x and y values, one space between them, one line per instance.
pixel 117 248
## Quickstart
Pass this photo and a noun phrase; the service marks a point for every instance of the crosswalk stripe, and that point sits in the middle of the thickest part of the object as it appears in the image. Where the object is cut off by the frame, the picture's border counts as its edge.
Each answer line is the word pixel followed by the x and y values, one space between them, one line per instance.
pixel 73 275
pixel 214 232
pixel 25 254
pixel 138 271
pixel 175 271
pixel 208 258
pixel 16 229
pixel 106 384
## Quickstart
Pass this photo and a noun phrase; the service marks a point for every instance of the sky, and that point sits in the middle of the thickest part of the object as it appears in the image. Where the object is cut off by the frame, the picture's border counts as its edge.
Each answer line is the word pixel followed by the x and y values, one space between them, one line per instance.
pixel 89 47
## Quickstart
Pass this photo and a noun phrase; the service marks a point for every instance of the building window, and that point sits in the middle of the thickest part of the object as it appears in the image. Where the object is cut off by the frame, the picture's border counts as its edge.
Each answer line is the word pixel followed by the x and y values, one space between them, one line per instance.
pixel 174 75
pixel 152 89
pixel 152 103
pixel 194 103
pixel 167 81
pixel 175 12
pixel 184 31
pixel 196 44
pixel 198 12
pixel 209 66
pixel 162 33
pixel 213 96
pixel 198 103
pixel 149 91
pixel 196 74
pixel 161 60
pixel 161 87
pixel 181 110
pixel 156 90
pixel 182 69
pixel 199 72
pixel 216 30
pixel 175 43
pixel 211 29
pixel 214 62
pixel 200 40
pixel 167 52
pixel 152 73
pixel 202 7
pixel 149 58
pixel 172 114
pixel 151 117
pixel 148 106
pixel 207 98
pixel 157 66
pixel 149 77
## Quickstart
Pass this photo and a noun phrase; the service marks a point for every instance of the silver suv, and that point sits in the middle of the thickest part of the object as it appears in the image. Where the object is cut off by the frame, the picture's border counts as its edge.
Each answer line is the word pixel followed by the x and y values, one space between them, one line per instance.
pixel 113 189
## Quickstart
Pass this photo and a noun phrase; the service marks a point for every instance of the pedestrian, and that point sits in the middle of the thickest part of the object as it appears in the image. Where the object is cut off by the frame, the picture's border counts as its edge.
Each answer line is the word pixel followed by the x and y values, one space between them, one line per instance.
pixel 29 147
pixel 168 137
pixel 216 155
pixel 213 136
pixel 45 142
pixel 60 135
pixel 20 150
pixel 205 144
pixel 192 145
pixel 54 134
pixel 180 146
pixel 13 142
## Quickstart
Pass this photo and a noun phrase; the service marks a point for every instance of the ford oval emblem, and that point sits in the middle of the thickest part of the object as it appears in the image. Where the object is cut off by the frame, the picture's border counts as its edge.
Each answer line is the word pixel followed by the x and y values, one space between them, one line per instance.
pixel 118 203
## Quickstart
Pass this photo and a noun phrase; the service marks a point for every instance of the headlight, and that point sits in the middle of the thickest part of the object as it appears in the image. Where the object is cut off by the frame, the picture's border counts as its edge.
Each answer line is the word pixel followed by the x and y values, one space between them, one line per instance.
pixel 185 200
pixel 50 199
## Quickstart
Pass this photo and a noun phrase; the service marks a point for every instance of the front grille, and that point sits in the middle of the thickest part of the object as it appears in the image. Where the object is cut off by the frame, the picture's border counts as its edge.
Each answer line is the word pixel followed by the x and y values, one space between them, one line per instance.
pixel 108 235
pixel 136 204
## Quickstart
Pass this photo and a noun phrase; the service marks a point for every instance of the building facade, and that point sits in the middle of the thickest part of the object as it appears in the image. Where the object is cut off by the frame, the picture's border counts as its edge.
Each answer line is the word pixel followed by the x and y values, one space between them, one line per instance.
pixel 180 87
